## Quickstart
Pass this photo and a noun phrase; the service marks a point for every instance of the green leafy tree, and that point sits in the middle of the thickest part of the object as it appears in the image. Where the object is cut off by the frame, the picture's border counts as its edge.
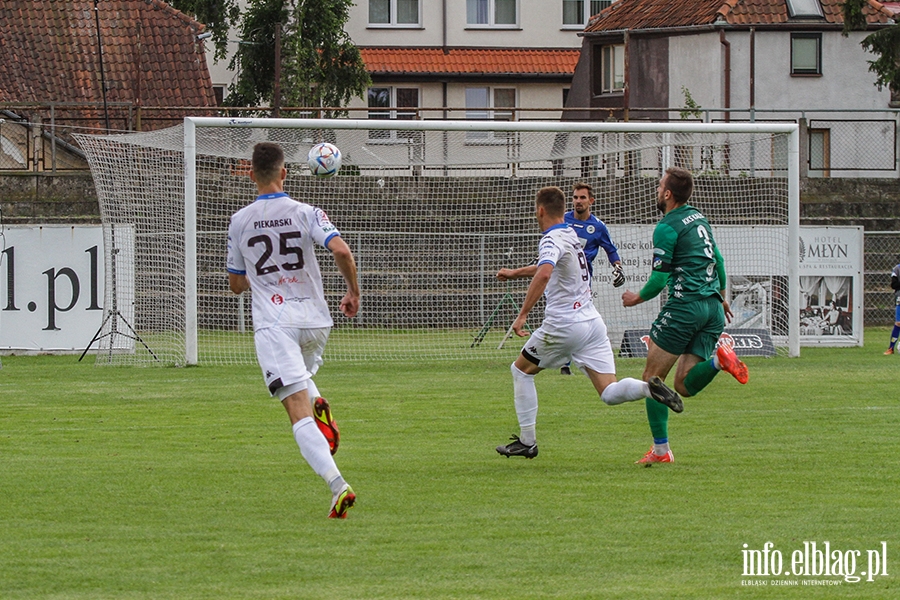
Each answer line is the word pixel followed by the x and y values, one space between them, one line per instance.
pixel 320 65
pixel 254 60
pixel 885 43
pixel 217 15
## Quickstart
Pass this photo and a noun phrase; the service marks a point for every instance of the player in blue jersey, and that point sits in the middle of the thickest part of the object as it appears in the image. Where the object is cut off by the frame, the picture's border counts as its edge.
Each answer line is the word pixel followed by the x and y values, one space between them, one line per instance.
pixel 895 285
pixel 593 234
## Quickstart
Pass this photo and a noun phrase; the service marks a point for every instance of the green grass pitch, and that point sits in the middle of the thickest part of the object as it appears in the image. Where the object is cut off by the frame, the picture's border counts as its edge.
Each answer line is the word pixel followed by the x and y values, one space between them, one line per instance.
pixel 159 483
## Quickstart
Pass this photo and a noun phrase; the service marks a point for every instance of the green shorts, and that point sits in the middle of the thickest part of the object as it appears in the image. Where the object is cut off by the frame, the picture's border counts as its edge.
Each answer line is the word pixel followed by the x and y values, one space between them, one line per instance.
pixel 689 327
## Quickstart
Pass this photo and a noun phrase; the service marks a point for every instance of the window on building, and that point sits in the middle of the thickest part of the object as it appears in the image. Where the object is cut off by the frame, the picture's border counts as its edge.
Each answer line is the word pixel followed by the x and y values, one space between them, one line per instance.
pixel 805 8
pixel 11 151
pixel 610 69
pixel 806 54
pixel 578 12
pixel 819 152
pixel 392 103
pixel 394 12
pixel 499 13
pixel 489 104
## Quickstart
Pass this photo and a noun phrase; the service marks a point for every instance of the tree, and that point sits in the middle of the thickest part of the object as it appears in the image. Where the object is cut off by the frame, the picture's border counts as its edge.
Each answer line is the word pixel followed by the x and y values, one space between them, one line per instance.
pixel 885 43
pixel 320 65
pixel 217 15
pixel 254 60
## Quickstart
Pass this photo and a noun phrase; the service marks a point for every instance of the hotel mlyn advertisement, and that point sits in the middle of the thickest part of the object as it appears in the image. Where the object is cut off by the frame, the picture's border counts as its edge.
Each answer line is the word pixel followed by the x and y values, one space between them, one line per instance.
pixel 831 286
pixel 831 292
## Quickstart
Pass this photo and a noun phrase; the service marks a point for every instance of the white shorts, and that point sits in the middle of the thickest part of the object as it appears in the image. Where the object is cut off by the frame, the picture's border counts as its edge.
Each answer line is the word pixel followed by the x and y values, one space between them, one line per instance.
pixel 289 355
pixel 585 343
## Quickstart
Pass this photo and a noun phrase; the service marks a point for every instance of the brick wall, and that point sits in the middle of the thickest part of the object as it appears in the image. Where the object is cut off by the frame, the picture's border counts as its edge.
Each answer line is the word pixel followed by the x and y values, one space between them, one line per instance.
pixel 872 203
pixel 33 198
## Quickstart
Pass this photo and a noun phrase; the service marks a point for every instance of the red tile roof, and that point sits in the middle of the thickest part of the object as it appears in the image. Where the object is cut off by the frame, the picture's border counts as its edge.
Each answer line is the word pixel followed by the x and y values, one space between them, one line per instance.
pixel 48 53
pixel 659 14
pixel 470 61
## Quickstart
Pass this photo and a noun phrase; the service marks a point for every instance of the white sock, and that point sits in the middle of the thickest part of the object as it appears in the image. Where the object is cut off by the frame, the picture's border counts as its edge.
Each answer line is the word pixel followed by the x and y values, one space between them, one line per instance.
pixel 660 449
pixel 527 435
pixel 625 390
pixel 526 401
pixel 312 390
pixel 314 449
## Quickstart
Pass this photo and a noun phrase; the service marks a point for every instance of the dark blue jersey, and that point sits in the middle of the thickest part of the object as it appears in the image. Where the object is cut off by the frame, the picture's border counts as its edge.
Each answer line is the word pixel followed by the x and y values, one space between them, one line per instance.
pixel 593 235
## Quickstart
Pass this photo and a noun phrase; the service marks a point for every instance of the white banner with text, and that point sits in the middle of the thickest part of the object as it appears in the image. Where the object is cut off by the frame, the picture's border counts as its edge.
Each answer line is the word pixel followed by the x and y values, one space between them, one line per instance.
pixel 52 287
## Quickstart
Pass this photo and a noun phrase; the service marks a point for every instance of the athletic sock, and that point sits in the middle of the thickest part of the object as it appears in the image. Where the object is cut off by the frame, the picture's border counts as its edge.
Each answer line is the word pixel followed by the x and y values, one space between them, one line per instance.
pixel 314 449
pixel 658 417
pixel 894 335
pixel 627 389
pixel 527 435
pixel 660 446
pixel 701 375
pixel 312 390
pixel 337 484
pixel 526 402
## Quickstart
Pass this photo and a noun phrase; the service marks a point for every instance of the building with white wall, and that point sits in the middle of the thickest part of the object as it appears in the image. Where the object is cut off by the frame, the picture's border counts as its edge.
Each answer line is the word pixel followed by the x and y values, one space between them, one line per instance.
pixel 744 60
pixel 493 59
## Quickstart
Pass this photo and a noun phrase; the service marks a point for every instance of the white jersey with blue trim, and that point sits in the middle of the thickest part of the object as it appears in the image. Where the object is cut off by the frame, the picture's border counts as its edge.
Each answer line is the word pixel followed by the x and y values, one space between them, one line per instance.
pixel 271 241
pixel 568 293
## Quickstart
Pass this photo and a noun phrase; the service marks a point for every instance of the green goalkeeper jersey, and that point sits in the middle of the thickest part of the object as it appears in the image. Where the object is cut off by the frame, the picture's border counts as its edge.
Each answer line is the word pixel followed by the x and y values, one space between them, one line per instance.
pixel 684 248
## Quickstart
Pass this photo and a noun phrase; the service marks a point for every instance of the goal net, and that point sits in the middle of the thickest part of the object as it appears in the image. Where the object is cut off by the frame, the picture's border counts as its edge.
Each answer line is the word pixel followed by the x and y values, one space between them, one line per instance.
pixel 432 211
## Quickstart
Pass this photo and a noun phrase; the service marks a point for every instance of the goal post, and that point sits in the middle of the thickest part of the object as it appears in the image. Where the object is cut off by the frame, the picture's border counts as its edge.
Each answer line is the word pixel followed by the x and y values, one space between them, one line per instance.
pixel 432 209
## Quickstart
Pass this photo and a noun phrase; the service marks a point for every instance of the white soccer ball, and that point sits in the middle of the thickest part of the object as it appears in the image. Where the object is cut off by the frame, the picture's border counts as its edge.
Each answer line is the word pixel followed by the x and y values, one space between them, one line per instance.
pixel 324 159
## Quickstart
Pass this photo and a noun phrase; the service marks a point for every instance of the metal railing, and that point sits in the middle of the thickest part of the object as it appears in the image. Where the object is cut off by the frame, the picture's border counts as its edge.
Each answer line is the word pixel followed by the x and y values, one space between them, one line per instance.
pixel 834 143
pixel 882 253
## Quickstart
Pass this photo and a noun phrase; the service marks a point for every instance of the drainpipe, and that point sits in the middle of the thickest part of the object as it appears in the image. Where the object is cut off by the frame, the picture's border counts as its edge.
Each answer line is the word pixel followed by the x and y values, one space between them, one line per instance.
pixel 444 26
pixel 626 93
pixel 752 72
pixel 139 31
pixel 276 91
pixel 727 99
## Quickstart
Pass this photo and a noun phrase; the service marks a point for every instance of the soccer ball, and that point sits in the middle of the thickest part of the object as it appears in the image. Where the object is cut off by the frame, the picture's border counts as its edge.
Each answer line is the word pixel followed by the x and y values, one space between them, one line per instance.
pixel 324 159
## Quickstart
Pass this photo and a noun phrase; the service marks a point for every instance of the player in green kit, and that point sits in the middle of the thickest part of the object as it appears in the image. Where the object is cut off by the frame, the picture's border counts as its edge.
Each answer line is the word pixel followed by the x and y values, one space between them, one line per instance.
pixel 687 329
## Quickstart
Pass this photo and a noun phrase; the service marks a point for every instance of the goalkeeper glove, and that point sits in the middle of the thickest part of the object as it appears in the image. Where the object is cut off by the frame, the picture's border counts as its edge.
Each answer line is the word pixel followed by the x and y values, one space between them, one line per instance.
pixel 618 275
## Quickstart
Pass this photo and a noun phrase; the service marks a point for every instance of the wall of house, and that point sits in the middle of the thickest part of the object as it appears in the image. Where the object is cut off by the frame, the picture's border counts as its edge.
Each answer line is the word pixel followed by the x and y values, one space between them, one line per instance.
pixel 648 72
pixel 845 82
pixel 540 26
pixel 531 95
pixel 842 104
pixel 431 95
pixel 695 63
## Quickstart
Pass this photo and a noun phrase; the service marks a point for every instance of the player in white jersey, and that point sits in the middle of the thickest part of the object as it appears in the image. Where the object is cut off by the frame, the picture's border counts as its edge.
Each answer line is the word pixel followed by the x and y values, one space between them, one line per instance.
pixel 572 328
pixel 271 253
